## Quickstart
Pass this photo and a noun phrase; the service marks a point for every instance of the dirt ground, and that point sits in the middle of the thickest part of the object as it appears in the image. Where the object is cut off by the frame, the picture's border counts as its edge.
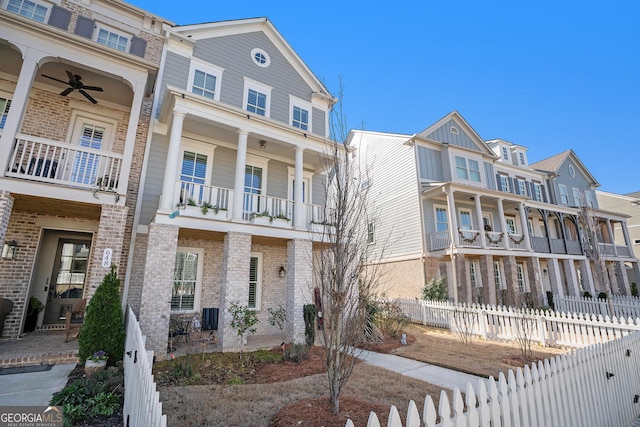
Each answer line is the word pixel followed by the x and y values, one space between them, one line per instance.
pixel 264 392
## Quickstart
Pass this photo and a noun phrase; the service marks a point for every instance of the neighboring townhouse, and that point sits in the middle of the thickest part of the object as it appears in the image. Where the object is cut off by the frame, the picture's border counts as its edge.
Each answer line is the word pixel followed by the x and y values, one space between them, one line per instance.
pixel 628 205
pixel 475 211
pixel 234 183
pixel 76 80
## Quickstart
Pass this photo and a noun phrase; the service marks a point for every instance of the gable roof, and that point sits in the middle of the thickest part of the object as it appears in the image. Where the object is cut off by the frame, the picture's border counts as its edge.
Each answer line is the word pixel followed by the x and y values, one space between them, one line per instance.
pixel 552 164
pixel 249 25
pixel 466 135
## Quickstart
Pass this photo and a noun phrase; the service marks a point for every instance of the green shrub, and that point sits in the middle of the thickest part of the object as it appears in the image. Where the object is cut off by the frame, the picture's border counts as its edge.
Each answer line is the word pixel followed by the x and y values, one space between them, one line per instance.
pixel 634 289
pixel 296 352
pixel 435 289
pixel 309 312
pixel 103 327
pixel 602 295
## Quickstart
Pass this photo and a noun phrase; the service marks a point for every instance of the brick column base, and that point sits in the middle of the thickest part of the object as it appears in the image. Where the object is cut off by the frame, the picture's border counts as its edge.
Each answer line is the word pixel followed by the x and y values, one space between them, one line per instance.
pixel 155 307
pixel 299 282
pixel 6 206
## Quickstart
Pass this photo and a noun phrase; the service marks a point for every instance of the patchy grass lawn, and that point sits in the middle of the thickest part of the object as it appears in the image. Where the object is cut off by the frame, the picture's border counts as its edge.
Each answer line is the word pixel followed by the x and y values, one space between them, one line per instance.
pixel 264 390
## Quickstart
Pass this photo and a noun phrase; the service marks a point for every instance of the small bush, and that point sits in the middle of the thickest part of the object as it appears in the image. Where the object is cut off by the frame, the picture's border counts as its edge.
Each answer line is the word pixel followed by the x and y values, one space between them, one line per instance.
pixel 296 352
pixel 435 289
pixel 103 327
pixel 390 318
pixel 602 295
pixel 634 289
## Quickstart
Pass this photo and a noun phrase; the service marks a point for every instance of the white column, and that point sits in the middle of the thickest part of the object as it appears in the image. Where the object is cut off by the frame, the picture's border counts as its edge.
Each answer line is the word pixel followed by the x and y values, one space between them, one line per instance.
pixel 130 142
pixel 612 237
pixel 299 217
pixel 525 226
pixel 171 168
pixel 483 238
pixel 503 225
pixel 451 207
pixel 19 102
pixel 238 183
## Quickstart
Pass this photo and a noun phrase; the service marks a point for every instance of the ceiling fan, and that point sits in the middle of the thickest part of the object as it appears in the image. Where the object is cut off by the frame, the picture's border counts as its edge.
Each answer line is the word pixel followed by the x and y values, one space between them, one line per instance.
pixel 75 82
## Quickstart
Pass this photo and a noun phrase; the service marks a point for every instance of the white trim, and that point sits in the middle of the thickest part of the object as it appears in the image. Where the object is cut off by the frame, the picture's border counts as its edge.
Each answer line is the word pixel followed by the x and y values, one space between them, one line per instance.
pixel 45 4
pixel 199 274
pixel 258 306
pixel 100 26
pixel 300 103
pixel 208 68
pixel 515 224
pixel 572 171
pixel 260 88
pixel 79 117
pixel 560 194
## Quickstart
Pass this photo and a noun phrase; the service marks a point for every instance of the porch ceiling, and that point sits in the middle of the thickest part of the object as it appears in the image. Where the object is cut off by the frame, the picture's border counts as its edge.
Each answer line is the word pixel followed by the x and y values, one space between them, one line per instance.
pixel 56 207
pixel 190 233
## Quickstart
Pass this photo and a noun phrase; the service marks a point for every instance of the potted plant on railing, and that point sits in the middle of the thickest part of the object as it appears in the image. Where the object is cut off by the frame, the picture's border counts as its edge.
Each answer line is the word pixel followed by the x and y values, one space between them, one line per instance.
pixel 261 218
pixel 34 308
pixel 218 212
pixel 280 220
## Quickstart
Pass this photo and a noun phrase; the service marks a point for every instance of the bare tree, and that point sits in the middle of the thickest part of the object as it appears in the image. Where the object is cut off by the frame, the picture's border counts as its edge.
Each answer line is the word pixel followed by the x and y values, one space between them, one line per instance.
pixel 464 321
pixel 591 237
pixel 345 277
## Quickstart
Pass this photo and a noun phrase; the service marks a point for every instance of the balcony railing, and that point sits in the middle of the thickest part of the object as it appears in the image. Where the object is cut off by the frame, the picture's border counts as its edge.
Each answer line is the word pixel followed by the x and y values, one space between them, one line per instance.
pixel 470 238
pixel 259 205
pixel 540 244
pixel 557 246
pixel 194 194
pixel 495 239
pixel 43 160
pixel 440 240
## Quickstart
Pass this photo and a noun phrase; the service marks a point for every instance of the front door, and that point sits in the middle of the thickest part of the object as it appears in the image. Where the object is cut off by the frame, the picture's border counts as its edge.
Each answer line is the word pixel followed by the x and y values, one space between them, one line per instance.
pixel 68 278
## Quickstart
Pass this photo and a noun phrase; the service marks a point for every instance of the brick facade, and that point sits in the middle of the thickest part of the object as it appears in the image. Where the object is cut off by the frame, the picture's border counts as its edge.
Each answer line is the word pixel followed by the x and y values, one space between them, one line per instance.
pixel 299 284
pixel 401 279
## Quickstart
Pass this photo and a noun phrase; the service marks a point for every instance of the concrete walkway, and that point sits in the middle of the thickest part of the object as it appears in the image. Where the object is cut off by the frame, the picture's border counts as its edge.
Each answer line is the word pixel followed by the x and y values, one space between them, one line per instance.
pixel 443 377
pixel 35 388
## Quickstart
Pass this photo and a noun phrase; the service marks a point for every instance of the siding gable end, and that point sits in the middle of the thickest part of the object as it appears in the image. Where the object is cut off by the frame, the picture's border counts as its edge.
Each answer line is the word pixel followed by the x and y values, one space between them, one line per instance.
pixel 446 134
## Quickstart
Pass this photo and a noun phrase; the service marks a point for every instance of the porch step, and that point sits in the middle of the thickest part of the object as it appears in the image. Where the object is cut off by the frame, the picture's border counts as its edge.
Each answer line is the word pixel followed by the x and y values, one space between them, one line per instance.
pixel 38 347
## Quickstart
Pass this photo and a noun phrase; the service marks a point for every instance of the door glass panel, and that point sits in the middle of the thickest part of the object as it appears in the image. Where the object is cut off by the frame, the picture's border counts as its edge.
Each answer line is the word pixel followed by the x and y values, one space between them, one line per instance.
pixel 72 271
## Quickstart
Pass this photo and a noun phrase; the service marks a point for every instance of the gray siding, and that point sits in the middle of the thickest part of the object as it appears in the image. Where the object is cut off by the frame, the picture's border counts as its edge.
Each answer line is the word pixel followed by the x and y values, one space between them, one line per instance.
pixel 233 53
pixel 429 164
pixel 176 73
pixel 318 122
pixel 580 181
pixel 442 134
pixel 153 183
pixel 489 175
pixel 224 167
pixel 277 180
pixel 318 189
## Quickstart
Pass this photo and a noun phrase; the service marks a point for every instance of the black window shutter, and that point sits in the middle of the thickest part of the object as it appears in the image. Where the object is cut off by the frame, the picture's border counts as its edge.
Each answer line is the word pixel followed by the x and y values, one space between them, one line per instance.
pixel 532 190
pixel 544 194
pixel 499 182
pixel 138 46
pixel 511 187
pixel 85 26
pixel 516 186
pixel 60 17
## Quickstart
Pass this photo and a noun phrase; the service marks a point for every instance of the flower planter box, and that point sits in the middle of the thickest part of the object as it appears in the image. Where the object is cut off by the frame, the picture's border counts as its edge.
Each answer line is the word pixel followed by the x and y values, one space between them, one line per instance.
pixel 281 223
pixel 320 228
pixel 92 366
pixel 196 211
pixel 261 220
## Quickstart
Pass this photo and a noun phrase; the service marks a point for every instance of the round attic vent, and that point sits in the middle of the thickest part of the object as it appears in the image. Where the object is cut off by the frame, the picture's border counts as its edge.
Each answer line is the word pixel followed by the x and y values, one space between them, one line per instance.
pixel 260 57
pixel 454 130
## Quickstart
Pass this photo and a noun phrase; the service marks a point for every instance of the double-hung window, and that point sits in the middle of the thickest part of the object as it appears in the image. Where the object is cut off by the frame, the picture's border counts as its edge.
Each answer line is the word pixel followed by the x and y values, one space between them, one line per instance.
pixel 564 196
pixel 186 280
pixel 474 274
pixel 537 189
pixel 205 79
pixel 300 112
pixel 511 225
pixel 371 238
pixel 522 278
pixel 461 168
pixel 467 169
pixel 35 10
pixel 442 221
pixel 522 187
pixel 193 174
pixel 505 153
pixel 465 219
pixel 577 197
pixel 474 170
pixel 255 281
pixel 588 196
pixel 497 273
pixel 504 183
pixel 521 157
pixel 4 111
pixel 112 38
pixel 257 97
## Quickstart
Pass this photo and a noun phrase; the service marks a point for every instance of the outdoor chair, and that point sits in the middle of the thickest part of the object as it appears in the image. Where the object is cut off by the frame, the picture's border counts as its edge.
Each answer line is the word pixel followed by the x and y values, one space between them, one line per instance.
pixel 178 329
pixel 74 319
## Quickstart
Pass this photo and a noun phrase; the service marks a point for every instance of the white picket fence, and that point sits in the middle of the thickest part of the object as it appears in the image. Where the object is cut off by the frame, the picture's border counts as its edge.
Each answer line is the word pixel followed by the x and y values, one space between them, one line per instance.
pixel 623 306
pixel 546 327
pixel 142 406
pixel 594 386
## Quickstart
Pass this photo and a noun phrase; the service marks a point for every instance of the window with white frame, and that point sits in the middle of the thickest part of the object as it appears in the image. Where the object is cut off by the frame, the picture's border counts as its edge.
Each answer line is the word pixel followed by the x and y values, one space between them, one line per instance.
pixel 255 281
pixel 112 38
pixel 205 79
pixel 497 274
pixel 504 183
pixel 257 97
pixel 474 274
pixel 4 110
pixel 193 177
pixel 36 10
pixel 371 228
pixel 588 196
pixel 511 225
pixel 577 196
pixel 186 280
pixel 253 184
pixel 522 277
pixel 521 157
pixel 522 187
pixel 442 219
pixel 300 113
pixel 505 153
pixel 530 226
pixel 487 222
pixel 564 195
pixel 465 219
pixel 537 191
pixel 467 169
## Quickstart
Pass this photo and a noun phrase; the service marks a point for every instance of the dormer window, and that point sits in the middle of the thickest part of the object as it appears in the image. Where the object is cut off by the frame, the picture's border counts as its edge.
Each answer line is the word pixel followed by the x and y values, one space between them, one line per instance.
pixel 521 159
pixel 35 10
pixel 505 153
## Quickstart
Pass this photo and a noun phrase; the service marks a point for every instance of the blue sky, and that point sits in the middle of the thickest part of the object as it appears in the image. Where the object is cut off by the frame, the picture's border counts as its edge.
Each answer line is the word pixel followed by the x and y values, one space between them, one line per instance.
pixel 548 75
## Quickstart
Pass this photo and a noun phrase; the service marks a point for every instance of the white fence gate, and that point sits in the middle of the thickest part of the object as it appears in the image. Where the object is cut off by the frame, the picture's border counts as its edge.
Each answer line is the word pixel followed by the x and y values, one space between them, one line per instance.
pixel 594 386
pixel 623 306
pixel 142 406
pixel 548 328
